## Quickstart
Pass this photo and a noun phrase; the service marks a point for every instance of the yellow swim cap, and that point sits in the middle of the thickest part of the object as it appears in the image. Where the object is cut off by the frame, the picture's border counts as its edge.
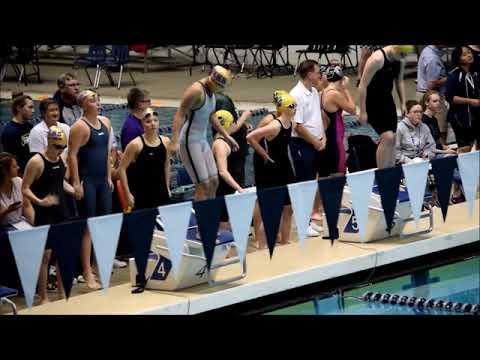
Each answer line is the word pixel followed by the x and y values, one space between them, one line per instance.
pixel 277 94
pixel 285 101
pixel 56 136
pixel 407 49
pixel 221 76
pixel 224 117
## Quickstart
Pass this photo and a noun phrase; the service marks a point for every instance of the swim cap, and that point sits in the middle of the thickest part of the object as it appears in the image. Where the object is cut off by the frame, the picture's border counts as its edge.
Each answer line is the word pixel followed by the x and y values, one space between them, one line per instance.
pixel 221 76
pixel 405 48
pixel 277 94
pixel 84 95
pixel 284 101
pixel 334 73
pixel 224 117
pixel 56 136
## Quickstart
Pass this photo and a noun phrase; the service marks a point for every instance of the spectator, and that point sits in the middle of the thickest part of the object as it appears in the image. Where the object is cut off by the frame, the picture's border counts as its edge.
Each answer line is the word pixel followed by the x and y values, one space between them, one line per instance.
pixel 90 170
pixel 414 142
pixel 14 210
pixel 50 113
pixel 138 101
pixel 308 133
pixel 66 98
pixel 383 69
pixel 45 186
pixel 463 95
pixel 365 52
pixel 145 167
pixel 476 57
pixel 432 75
pixel 431 104
pixel 17 131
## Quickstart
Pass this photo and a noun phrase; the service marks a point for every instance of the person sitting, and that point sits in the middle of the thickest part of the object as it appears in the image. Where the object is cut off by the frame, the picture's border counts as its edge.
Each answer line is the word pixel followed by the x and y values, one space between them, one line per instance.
pixel 145 166
pixel 66 98
pixel 414 142
pixel 45 186
pixel 16 133
pixel 50 113
pixel 272 161
pixel 431 104
pixel 138 101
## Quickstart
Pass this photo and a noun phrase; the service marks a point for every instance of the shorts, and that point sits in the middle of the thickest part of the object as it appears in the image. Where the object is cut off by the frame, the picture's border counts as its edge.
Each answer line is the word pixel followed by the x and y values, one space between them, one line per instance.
pixel 197 158
pixel 306 160
pixel 465 136
pixel 97 199
pixel 383 119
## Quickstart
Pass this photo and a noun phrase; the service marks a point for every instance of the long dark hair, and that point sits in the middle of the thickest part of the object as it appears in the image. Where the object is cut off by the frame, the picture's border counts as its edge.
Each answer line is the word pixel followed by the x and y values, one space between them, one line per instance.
pixel 5 165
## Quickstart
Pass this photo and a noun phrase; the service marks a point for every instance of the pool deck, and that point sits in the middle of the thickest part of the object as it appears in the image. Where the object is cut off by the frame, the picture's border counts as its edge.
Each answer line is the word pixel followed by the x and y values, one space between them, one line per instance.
pixel 291 267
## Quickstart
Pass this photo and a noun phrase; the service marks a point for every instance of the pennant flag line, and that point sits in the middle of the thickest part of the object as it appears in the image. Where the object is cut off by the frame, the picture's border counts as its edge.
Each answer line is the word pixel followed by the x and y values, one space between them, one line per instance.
pixel 388 181
pixel 240 211
pixel 28 247
pixel 416 175
pixel 105 232
pixel 302 196
pixel 175 220
pixel 468 166
pixel 331 190
pixel 443 172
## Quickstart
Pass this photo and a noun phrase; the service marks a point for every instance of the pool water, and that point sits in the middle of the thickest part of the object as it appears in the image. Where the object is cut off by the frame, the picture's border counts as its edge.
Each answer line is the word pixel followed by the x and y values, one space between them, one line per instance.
pixel 118 113
pixel 457 282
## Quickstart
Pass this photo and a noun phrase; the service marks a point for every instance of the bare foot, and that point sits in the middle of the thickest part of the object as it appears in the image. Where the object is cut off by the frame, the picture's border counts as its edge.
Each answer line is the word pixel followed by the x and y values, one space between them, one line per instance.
pixel 316 216
pixel 260 246
pixel 92 282
pixel 283 242
pixel 231 253
pixel 44 301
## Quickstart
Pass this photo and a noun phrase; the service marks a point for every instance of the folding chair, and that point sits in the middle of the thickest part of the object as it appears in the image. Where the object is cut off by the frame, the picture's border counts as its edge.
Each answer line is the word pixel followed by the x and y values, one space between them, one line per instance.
pixel 118 60
pixel 96 56
pixel 271 54
pixel 5 295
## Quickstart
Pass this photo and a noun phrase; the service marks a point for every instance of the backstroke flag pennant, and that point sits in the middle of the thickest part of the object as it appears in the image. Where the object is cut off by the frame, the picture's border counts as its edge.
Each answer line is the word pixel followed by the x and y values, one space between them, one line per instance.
pixel 175 220
pixel 360 184
pixel 105 232
pixel 240 212
pixel 302 196
pixel 66 241
pixel 416 175
pixel 208 214
pixel 468 166
pixel 28 247
pixel 443 172
pixel 139 226
pixel 388 181
pixel 271 202
pixel 331 190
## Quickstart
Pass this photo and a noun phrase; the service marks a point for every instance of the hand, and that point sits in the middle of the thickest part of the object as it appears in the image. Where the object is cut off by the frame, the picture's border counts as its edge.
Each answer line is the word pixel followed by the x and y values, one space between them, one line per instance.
pixel 49 200
pixel 363 118
pixel 451 151
pixel 345 81
pixel 475 102
pixel 241 190
pixel 233 143
pixel 323 142
pixel 130 200
pixel 267 158
pixel 14 207
pixel 249 127
pixel 78 191
pixel 110 184
pixel 404 110
pixel 174 147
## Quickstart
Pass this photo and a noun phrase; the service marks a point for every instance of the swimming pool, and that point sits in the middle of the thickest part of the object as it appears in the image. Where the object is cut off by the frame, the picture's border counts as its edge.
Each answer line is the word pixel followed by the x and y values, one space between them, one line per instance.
pixel 118 112
pixel 457 282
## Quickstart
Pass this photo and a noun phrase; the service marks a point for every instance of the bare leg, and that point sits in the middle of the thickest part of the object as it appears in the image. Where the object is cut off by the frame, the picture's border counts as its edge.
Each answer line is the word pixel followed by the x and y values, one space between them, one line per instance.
pixel 317 207
pixel 60 289
pixel 43 278
pixel 86 254
pixel 286 225
pixel 212 187
pixel 260 239
pixel 386 150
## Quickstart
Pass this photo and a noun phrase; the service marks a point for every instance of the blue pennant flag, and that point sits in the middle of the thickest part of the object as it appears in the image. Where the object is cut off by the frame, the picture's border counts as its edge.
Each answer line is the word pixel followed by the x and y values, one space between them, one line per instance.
pixel 208 214
pixel 139 226
pixel 331 190
pixel 66 239
pixel 388 181
pixel 271 202
pixel 443 173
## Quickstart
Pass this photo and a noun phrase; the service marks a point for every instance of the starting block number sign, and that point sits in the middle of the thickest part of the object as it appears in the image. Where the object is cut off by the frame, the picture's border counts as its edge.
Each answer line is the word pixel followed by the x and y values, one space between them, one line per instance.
pixel 352 225
pixel 162 269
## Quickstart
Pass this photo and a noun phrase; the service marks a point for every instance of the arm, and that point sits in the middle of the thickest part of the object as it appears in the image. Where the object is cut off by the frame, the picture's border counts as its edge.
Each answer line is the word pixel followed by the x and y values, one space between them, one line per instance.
pixel 28 211
pixel 78 137
pixel 131 153
pixel 256 135
pixel 400 86
pixel 399 157
pixel 33 171
pixel 430 146
pixel 109 165
pixel 166 141
pixel 374 63
pixel 240 122
pixel 221 152
pixel 189 100
pixel 307 136
pixel 216 124
pixel 434 71
pixel 342 100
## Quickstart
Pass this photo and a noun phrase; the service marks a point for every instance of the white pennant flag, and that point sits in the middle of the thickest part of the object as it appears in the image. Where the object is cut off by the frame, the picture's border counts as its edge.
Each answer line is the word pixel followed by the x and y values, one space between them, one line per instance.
pixel 28 247
pixel 360 184
pixel 240 212
pixel 416 175
pixel 105 232
pixel 468 166
pixel 302 196
pixel 175 220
